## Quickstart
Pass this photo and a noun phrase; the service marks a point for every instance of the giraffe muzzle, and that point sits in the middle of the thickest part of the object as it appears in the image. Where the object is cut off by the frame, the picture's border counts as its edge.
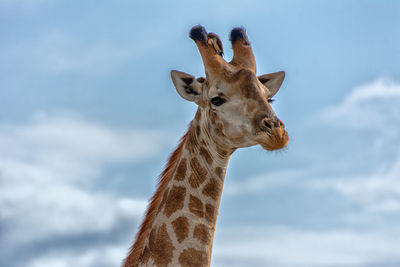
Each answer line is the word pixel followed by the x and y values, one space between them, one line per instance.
pixel 273 135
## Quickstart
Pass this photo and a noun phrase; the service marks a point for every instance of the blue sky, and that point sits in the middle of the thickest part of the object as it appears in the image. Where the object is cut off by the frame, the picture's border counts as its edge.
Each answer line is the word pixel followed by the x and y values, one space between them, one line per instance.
pixel 89 115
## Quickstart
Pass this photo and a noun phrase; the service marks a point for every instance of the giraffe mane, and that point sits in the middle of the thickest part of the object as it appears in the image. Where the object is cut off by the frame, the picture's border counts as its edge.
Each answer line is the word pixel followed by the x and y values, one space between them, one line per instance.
pixel 165 177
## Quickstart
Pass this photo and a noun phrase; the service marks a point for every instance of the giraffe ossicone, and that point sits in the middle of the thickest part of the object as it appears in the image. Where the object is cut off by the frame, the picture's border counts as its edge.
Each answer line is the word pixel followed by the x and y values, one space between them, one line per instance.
pixel 233 112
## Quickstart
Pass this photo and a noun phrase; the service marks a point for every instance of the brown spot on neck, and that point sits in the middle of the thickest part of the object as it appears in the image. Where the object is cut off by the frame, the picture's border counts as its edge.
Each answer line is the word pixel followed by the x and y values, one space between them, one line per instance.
pixel 206 155
pixel 194 258
pixel 199 173
pixel 195 181
pixel 196 206
pixel 202 233
pixel 175 200
pixel 160 246
pixel 181 170
pixel 211 213
pixel 212 189
pixel 191 142
pixel 181 228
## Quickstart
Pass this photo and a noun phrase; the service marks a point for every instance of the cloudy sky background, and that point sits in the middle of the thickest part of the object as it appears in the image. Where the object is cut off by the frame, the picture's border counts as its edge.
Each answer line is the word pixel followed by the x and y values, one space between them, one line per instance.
pixel 88 117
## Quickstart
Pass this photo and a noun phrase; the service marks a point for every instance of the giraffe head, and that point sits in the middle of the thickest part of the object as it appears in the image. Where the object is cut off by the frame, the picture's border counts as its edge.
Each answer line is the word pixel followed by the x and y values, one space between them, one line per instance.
pixel 233 103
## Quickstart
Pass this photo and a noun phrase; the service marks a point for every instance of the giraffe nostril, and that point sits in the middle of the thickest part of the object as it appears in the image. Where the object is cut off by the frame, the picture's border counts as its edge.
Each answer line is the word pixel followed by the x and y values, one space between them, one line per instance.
pixel 266 124
pixel 280 124
pixel 269 124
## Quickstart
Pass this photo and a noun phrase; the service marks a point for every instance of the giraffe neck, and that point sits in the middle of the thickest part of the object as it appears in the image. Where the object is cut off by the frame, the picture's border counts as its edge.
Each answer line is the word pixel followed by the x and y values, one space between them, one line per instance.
pixel 182 230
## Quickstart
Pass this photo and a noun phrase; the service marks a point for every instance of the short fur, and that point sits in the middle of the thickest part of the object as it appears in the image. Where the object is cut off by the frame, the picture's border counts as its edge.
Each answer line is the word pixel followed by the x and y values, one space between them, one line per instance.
pixel 239 33
pixel 198 33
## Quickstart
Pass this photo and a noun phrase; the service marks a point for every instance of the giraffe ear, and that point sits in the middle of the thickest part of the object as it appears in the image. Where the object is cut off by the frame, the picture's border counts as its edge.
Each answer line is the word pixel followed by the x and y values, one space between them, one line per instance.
pixel 186 85
pixel 272 81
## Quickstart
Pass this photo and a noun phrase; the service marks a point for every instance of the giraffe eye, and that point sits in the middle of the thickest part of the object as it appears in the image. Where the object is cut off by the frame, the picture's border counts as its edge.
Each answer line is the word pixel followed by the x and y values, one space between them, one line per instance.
pixel 271 100
pixel 217 101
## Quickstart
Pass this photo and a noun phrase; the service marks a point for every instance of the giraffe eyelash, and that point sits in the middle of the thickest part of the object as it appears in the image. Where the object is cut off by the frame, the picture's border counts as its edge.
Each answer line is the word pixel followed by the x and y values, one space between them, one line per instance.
pixel 271 100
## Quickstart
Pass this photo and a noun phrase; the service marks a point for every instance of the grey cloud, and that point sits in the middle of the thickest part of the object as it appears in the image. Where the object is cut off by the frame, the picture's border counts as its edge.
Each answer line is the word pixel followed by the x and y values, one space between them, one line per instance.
pixel 47 207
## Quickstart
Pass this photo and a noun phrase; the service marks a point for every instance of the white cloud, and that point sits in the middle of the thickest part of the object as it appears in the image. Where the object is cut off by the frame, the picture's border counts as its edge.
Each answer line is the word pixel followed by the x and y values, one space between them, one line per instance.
pixel 288 247
pixel 373 106
pixel 372 109
pixel 99 256
pixel 376 192
pixel 69 147
pixel 259 184
pixel 47 167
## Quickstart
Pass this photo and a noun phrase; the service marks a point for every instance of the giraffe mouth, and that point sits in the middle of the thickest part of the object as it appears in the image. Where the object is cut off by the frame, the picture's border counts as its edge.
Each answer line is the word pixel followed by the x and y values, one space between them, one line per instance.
pixel 275 139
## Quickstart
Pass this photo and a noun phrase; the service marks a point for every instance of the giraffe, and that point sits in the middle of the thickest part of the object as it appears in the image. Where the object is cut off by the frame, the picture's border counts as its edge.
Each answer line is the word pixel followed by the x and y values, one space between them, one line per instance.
pixel 233 112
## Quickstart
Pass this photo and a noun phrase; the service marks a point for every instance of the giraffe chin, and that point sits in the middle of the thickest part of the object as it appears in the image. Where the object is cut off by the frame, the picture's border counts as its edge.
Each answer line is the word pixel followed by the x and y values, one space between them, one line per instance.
pixel 277 139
